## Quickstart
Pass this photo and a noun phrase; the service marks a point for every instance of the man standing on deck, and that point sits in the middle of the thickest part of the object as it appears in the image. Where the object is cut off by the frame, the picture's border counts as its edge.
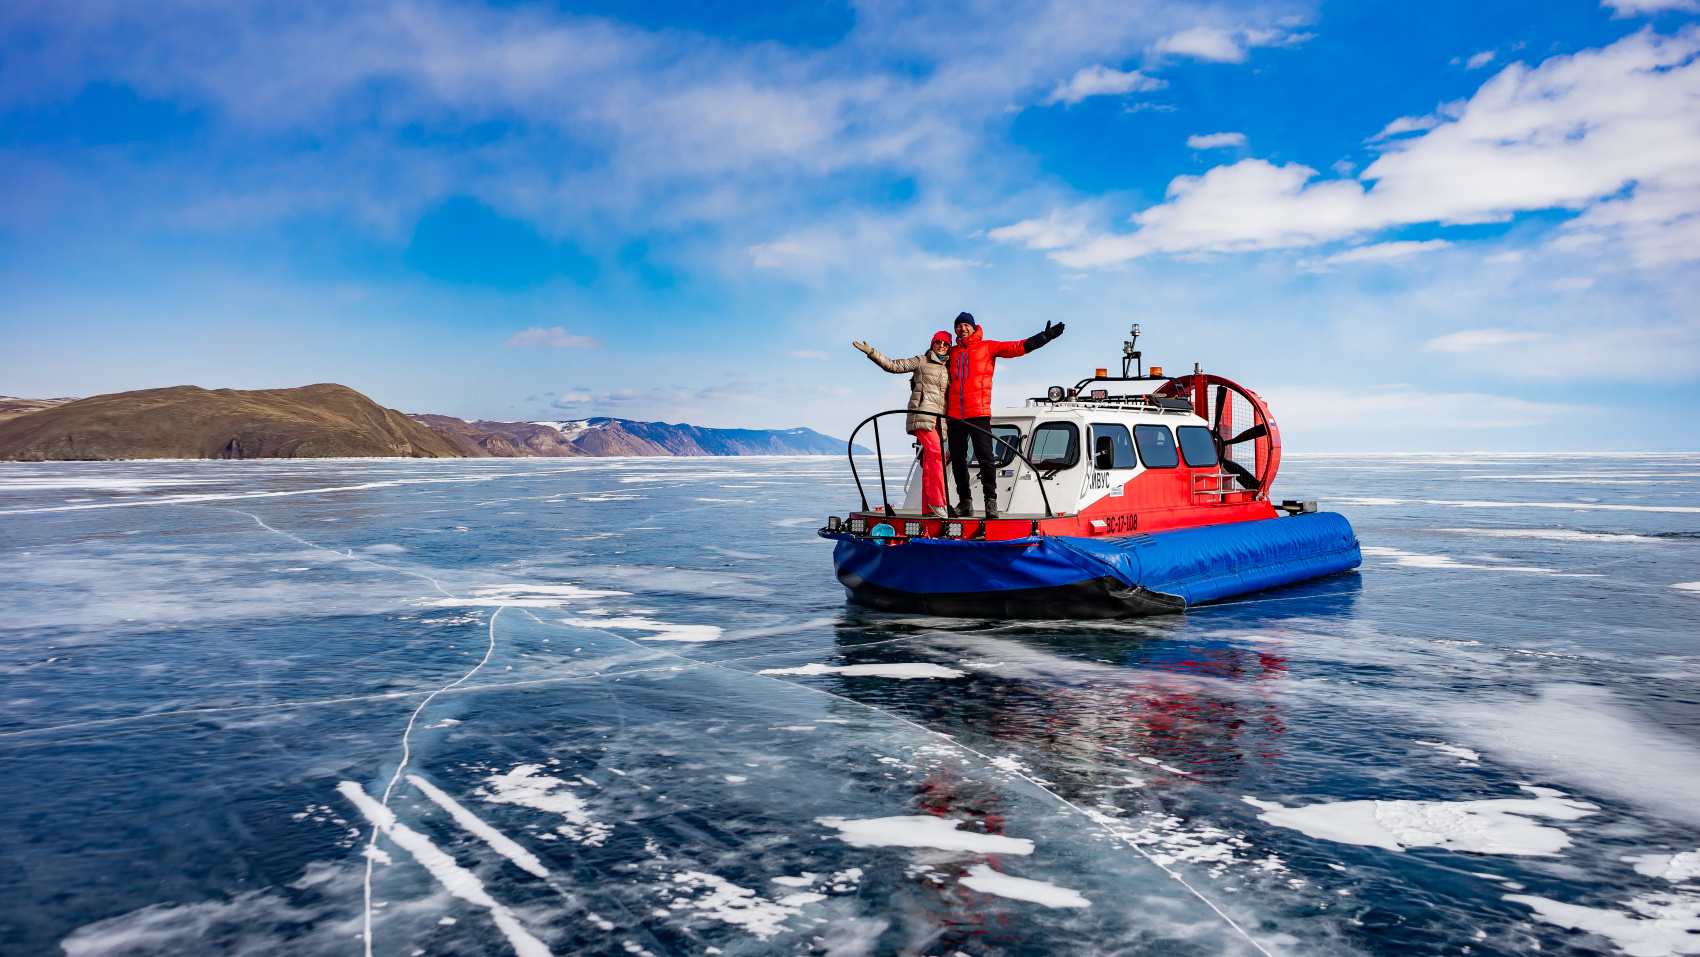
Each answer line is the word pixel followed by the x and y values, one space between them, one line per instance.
pixel 969 398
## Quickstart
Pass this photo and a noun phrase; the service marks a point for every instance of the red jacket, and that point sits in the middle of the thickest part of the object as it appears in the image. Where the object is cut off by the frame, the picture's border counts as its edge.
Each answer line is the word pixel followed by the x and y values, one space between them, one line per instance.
pixel 971 364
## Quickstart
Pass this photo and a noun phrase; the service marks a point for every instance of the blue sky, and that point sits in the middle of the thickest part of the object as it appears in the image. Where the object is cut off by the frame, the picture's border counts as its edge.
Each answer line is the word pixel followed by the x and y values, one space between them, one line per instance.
pixel 1410 227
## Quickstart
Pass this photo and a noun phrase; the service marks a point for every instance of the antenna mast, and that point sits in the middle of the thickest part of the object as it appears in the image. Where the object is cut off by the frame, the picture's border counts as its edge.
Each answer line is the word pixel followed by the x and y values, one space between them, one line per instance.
pixel 1130 355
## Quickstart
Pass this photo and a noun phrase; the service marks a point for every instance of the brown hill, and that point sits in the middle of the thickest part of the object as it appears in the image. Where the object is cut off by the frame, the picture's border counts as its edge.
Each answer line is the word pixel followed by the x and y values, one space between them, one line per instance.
pixel 188 422
pixel 11 406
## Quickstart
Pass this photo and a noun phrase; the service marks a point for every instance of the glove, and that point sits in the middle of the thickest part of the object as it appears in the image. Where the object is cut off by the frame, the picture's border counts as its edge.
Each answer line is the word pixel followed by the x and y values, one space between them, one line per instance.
pixel 1052 332
pixel 863 346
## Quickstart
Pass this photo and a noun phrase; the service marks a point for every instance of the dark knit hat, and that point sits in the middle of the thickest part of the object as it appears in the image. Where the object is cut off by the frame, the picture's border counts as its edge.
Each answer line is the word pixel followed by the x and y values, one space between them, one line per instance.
pixel 966 317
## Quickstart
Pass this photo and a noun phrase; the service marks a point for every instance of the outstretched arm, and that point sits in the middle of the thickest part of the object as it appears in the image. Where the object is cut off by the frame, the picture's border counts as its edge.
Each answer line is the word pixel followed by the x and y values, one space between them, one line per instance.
pixel 899 365
pixel 1040 338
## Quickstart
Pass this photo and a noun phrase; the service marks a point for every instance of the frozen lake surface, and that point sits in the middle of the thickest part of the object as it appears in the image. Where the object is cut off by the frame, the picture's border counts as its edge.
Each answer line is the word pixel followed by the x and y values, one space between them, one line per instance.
pixel 620 707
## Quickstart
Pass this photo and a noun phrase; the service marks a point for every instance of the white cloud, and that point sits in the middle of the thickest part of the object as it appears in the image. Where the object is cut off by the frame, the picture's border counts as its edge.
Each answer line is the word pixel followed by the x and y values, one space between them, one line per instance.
pixel 571 400
pixel 1211 141
pixel 1567 134
pixel 1203 43
pixel 1480 60
pixel 1225 46
pixel 1103 81
pixel 556 337
pixel 1053 232
pixel 1638 8
pixel 1386 252
pixel 1474 340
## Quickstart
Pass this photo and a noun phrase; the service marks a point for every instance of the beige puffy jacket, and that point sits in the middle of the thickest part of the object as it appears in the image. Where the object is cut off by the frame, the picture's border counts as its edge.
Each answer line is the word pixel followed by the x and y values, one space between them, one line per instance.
pixel 927 387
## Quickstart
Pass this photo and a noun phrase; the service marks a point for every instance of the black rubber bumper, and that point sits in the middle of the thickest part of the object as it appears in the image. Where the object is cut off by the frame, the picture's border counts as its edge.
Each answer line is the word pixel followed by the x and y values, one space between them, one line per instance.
pixel 1096 598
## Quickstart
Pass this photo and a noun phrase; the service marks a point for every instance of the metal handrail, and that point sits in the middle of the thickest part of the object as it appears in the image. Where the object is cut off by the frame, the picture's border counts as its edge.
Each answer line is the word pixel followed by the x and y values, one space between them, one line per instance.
pixel 885 493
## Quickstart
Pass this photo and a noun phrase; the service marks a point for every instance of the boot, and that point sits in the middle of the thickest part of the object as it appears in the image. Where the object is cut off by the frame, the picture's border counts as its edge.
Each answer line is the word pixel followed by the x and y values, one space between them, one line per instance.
pixel 991 501
pixel 962 509
pixel 937 511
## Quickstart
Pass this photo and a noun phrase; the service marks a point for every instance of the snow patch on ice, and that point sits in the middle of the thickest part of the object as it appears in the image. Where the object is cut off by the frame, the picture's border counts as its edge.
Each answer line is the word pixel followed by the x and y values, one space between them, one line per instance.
pixel 906 670
pixel 987 881
pixel 1416 560
pixel 1656 925
pixel 1688 586
pixel 922 830
pixel 525 787
pixel 1499 826
pixel 731 904
pixel 1672 867
pixel 1550 534
pixel 1452 749
pixel 664 631
pixel 522 595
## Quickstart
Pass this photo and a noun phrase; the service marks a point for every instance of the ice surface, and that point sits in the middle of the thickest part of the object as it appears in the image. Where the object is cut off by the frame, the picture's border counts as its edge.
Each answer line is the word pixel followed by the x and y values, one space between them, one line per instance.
pixel 1586 736
pixel 231 640
pixel 987 881
pixel 499 842
pixel 1499 826
pixel 455 879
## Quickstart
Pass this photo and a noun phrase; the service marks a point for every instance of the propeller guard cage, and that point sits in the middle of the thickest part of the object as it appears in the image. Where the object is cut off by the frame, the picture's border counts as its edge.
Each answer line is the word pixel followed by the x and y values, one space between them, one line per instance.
pixel 1237 416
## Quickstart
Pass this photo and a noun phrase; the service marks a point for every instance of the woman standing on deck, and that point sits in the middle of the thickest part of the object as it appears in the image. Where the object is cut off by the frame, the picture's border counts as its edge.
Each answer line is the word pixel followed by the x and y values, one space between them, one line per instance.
pixel 927 387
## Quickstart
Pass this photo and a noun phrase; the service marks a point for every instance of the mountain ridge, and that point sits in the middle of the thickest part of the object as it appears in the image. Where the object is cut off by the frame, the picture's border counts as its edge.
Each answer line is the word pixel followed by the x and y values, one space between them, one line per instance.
pixel 327 420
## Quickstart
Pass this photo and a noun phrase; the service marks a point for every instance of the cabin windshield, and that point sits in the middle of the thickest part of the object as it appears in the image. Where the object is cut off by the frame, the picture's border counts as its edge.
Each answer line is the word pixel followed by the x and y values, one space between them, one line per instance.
pixel 1056 445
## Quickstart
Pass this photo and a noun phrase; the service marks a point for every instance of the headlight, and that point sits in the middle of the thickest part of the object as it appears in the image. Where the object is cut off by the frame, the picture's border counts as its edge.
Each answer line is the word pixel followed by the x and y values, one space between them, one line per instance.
pixel 912 529
pixel 858 525
pixel 833 524
pixel 953 530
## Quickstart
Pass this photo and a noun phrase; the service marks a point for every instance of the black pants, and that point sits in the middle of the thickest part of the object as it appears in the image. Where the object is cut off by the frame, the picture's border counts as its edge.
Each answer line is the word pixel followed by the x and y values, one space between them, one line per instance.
pixel 960 436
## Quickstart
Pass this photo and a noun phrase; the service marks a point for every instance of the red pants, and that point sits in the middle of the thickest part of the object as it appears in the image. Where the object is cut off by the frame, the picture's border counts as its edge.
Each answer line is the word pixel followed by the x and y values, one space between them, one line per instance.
pixel 932 470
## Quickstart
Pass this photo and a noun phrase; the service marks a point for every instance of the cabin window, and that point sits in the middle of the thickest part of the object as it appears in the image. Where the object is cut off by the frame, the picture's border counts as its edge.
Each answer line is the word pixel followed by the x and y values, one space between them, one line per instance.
pixel 1114 440
pixel 1156 446
pixel 1003 452
pixel 1056 445
pixel 1197 447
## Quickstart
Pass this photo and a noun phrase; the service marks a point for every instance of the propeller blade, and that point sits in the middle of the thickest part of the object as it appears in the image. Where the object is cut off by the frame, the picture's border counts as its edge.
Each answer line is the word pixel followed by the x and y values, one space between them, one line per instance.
pixel 1221 403
pixel 1246 479
pixel 1255 432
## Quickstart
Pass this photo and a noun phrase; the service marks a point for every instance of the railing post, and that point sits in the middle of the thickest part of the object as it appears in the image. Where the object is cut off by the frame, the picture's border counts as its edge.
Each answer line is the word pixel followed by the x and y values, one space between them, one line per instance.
pixel 879 453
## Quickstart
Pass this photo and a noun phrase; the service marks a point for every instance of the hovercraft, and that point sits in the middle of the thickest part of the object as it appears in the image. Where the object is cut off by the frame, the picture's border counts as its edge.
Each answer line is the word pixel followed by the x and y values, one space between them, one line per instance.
pixel 1122 496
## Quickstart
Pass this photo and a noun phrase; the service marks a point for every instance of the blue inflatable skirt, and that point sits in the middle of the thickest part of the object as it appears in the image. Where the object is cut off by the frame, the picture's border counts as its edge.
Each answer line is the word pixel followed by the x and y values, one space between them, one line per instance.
pixel 1120 577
